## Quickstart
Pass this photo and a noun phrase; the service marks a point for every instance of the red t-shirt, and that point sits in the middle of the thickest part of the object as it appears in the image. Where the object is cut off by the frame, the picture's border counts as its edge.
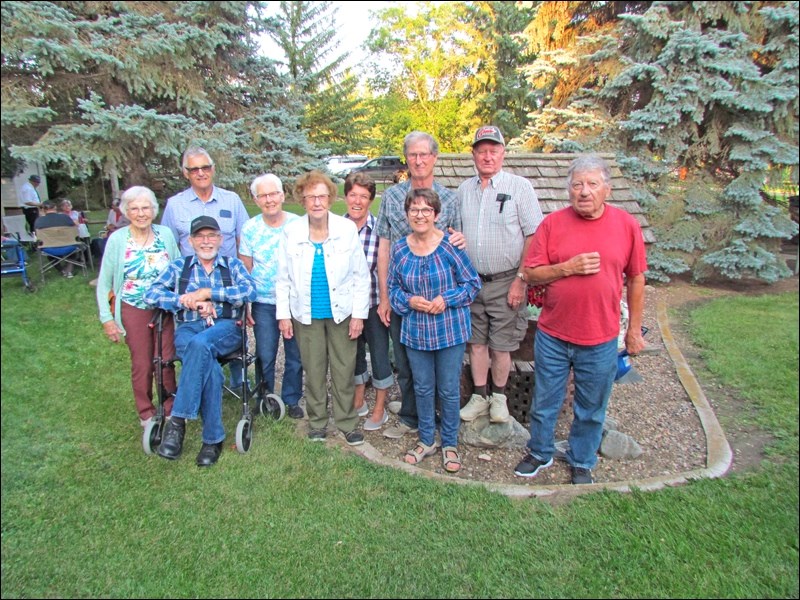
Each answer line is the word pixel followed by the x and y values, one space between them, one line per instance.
pixel 584 309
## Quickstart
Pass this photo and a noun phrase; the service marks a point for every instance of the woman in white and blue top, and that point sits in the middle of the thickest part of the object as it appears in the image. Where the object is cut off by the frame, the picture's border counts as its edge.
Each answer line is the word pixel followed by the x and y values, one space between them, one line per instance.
pixel 322 294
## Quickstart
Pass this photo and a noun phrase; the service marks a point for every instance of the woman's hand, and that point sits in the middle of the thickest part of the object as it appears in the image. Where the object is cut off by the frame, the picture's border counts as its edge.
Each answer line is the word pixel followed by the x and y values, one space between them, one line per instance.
pixel 112 331
pixel 356 327
pixel 285 325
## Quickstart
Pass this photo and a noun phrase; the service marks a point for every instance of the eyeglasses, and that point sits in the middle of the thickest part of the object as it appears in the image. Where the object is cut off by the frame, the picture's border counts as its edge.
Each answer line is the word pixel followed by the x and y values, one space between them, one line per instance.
pixel 139 209
pixel 425 212
pixel 316 198
pixel 269 196
pixel 205 237
pixel 203 168
pixel 419 155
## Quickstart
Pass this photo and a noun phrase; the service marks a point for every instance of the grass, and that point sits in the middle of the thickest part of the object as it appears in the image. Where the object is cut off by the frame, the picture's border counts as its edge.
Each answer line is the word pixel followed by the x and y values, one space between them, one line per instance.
pixel 765 373
pixel 86 514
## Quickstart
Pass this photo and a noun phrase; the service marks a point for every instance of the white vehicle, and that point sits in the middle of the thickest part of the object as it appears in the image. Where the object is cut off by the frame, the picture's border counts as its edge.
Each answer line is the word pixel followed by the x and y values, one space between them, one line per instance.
pixel 339 166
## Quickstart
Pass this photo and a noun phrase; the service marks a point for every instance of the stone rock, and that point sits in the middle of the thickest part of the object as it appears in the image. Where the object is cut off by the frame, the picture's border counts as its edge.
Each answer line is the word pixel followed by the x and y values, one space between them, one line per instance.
pixel 482 433
pixel 610 424
pixel 484 457
pixel 618 446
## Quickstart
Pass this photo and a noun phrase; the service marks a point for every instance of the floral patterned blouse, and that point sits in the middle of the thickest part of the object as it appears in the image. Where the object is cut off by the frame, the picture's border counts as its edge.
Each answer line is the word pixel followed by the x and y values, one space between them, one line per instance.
pixel 142 266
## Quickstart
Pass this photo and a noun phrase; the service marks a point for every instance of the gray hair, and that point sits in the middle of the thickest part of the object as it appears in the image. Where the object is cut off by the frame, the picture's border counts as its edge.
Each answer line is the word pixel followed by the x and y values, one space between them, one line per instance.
pixel 589 162
pixel 268 178
pixel 138 192
pixel 416 136
pixel 62 204
pixel 196 151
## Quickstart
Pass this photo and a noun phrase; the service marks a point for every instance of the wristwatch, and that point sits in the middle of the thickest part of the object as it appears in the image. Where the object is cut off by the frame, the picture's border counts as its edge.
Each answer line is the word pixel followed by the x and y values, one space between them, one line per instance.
pixel 521 275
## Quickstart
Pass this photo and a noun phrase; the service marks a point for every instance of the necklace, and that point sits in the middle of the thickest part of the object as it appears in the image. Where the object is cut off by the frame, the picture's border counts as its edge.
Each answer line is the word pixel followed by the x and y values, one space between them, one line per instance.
pixel 141 245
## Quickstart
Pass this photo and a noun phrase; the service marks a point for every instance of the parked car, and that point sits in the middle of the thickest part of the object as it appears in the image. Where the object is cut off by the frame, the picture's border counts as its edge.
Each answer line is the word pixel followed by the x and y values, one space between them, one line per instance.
pixel 383 168
pixel 340 165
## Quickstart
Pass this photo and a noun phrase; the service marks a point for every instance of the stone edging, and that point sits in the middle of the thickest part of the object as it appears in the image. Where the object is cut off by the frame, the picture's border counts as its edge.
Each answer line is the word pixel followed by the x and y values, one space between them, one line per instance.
pixel 719 456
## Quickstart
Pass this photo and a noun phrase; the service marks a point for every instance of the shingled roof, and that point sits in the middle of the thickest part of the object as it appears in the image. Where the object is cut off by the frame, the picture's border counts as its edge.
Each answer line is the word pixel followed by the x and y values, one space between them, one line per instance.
pixel 548 174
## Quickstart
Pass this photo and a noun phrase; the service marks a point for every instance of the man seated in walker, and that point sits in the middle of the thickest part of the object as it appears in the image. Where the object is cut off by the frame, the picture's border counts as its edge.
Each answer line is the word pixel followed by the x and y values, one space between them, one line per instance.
pixel 206 292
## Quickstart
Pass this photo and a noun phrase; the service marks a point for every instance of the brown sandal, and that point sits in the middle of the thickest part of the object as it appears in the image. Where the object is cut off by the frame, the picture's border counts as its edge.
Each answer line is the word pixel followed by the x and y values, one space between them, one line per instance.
pixel 451 464
pixel 418 453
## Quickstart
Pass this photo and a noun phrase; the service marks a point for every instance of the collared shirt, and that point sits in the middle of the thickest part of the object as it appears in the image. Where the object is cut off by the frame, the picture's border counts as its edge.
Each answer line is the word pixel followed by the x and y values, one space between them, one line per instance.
pixel 225 206
pixel 28 193
pixel 164 291
pixel 445 272
pixel 496 231
pixel 369 239
pixel 262 243
pixel 392 219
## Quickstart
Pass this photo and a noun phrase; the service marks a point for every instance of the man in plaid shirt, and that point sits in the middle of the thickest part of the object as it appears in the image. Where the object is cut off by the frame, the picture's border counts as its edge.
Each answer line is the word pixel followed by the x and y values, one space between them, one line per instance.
pixel 207 296
pixel 421 151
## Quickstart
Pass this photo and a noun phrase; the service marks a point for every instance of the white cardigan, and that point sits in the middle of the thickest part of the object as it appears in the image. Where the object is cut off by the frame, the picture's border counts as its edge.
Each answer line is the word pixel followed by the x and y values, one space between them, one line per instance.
pixel 345 266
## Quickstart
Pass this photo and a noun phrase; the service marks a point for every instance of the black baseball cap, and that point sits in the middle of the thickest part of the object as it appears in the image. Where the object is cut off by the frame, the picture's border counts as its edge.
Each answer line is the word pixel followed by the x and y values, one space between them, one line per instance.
pixel 204 222
pixel 35 178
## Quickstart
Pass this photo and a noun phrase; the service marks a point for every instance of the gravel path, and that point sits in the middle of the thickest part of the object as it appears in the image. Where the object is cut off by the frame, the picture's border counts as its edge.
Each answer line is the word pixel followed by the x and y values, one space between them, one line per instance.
pixel 656 412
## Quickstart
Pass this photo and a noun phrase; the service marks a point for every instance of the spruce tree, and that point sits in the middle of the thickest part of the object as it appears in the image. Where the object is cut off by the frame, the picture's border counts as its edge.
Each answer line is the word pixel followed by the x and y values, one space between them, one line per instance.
pixel 124 87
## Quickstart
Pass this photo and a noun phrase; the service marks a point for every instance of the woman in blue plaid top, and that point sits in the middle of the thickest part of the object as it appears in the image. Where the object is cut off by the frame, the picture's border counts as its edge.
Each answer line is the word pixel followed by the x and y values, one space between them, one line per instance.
pixel 432 284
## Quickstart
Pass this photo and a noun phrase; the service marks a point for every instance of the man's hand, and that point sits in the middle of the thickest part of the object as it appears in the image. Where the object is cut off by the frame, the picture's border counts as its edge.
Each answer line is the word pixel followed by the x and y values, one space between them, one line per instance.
pixel 517 293
pixel 634 341
pixel 584 264
pixel 190 300
pixel 457 239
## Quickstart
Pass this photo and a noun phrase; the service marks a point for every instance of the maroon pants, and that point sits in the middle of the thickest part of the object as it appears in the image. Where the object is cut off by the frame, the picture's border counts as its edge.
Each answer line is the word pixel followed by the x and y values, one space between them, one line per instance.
pixel 141 341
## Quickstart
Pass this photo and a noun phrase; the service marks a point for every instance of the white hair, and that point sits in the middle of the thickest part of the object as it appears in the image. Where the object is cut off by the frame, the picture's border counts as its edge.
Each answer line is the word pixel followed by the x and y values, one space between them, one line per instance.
pixel 268 178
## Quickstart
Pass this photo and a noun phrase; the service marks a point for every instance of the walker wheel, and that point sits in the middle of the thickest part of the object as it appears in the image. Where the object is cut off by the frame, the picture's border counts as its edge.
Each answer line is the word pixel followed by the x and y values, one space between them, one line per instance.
pixel 151 436
pixel 244 435
pixel 271 405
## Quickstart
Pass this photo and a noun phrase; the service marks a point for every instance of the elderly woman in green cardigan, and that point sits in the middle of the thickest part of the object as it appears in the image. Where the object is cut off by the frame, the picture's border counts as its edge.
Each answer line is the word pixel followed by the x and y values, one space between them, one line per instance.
pixel 133 258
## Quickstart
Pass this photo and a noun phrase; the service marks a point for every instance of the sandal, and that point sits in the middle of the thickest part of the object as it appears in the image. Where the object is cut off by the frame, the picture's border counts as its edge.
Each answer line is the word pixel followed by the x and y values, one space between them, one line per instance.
pixel 418 453
pixel 451 464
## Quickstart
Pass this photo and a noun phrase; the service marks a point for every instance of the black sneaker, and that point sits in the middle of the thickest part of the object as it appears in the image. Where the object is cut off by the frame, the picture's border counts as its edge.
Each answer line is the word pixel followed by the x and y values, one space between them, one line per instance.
pixel 530 466
pixel 354 438
pixel 581 476
pixel 295 411
pixel 317 435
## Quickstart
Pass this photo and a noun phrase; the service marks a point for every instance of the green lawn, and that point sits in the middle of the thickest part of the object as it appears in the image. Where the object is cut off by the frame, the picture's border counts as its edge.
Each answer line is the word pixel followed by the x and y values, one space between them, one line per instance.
pixel 86 514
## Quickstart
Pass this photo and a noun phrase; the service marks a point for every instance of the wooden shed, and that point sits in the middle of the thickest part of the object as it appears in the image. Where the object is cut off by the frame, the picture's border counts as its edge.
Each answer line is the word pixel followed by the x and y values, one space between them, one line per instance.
pixel 548 174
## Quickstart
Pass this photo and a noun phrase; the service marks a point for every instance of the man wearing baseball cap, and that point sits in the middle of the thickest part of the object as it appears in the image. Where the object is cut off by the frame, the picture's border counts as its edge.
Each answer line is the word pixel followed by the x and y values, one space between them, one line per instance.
pixel 499 214
pixel 29 200
pixel 206 291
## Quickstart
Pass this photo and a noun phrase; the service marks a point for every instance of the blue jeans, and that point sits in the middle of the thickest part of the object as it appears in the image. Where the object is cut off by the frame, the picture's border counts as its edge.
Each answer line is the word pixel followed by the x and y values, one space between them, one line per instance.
pixel 268 338
pixel 200 385
pixel 438 372
pixel 376 335
pixel 594 368
pixel 408 405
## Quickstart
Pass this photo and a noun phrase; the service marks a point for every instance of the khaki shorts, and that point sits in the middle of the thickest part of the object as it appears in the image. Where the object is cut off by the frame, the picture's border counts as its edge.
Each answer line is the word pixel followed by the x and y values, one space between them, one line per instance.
pixel 494 322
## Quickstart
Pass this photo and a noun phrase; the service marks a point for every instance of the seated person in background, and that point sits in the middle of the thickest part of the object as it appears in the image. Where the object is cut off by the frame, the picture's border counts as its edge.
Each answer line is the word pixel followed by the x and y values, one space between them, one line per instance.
pixel 116 220
pixel 65 206
pixel 51 218
pixel 206 292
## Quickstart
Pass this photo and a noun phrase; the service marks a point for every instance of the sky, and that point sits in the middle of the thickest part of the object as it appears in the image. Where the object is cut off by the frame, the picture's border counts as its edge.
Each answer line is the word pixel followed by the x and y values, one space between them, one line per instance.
pixel 353 29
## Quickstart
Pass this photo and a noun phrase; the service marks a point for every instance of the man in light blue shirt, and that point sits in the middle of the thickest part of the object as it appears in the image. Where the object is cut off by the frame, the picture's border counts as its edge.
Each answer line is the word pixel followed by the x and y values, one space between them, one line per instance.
pixel 203 198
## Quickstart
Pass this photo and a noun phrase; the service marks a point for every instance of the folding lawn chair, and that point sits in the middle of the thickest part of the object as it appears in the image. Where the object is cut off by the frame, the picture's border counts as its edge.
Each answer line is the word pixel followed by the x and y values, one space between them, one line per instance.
pixel 61 246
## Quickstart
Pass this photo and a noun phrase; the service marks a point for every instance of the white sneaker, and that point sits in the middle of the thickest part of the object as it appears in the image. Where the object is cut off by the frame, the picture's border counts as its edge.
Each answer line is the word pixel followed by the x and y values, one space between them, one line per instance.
pixel 498 410
pixel 477 406
pixel 394 406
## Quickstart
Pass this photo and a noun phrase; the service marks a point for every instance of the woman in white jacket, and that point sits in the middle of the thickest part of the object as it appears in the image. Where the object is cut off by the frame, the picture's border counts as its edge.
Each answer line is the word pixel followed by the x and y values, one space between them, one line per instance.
pixel 323 298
